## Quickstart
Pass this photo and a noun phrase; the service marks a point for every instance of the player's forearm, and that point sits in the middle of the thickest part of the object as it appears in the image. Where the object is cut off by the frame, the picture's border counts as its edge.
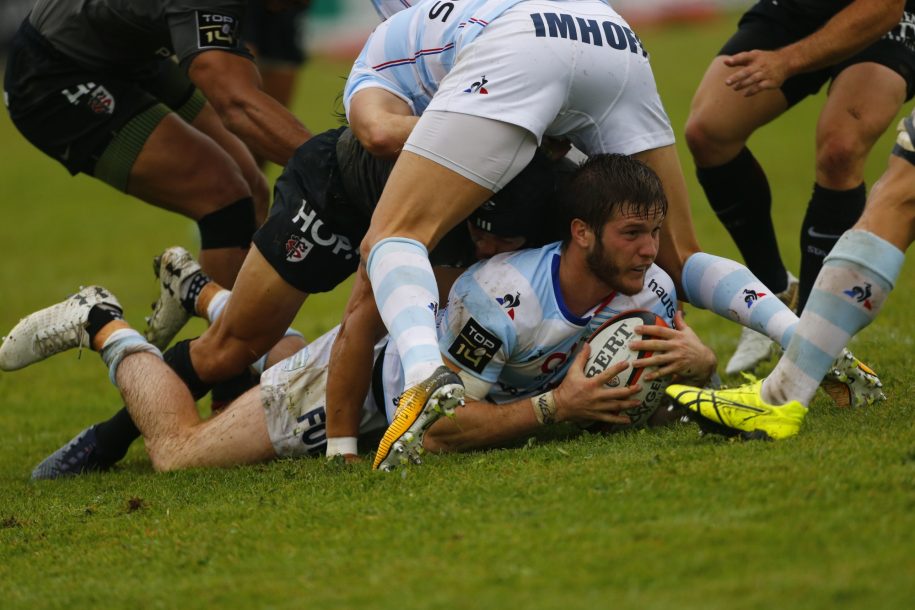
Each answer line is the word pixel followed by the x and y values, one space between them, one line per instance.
pixel 264 125
pixel 478 425
pixel 852 29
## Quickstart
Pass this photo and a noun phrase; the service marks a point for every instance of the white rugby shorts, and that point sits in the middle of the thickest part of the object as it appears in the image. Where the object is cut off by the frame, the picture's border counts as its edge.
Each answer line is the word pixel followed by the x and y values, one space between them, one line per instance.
pixel 564 69
pixel 293 392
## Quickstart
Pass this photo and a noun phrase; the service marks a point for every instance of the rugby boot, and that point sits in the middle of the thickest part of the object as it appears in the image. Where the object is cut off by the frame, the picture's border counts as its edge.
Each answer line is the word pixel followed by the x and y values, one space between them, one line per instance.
pixel 851 383
pixel 54 329
pixel 418 408
pixel 75 457
pixel 754 348
pixel 742 409
pixel 174 268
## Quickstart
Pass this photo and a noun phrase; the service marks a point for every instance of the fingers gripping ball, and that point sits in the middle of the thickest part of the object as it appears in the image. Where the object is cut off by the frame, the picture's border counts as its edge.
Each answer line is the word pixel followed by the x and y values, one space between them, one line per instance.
pixel 609 346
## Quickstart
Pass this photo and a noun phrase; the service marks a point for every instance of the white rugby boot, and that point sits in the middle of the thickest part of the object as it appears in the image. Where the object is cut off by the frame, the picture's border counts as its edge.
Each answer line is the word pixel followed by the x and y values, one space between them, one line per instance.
pixel 755 348
pixel 174 268
pixel 53 329
pixel 851 383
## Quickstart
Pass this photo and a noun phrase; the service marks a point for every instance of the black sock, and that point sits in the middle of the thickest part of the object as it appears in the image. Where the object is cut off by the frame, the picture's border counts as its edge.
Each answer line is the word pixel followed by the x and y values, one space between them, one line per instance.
pixel 114 437
pixel 738 192
pixel 190 290
pixel 99 316
pixel 829 214
pixel 226 391
pixel 178 357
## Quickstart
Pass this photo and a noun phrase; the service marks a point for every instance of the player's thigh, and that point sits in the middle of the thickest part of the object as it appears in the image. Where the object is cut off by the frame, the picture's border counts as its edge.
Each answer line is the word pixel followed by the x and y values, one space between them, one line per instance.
pixel 209 123
pixel 863 101
pixel 182 169
pixel 721 120
pixel 261 308
pixel 238 435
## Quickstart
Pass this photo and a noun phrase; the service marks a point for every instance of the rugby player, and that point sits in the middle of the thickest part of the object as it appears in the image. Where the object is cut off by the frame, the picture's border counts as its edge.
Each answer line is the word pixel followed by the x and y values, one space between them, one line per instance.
pixel 462 94
pixel 529 312
pixel 93 85
pixel 849 292
pixel 781 53
pixel 323 204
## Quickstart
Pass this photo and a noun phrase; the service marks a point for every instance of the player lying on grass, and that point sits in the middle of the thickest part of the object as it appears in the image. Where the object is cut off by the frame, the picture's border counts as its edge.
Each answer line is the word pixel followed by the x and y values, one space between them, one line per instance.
pixel 510 73
pixel 322 205
pixel 849 292
pixel 511 329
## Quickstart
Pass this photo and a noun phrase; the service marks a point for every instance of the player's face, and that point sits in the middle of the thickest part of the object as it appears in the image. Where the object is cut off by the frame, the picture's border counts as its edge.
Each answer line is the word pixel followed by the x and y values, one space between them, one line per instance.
pixel 624 250
pixel 486 244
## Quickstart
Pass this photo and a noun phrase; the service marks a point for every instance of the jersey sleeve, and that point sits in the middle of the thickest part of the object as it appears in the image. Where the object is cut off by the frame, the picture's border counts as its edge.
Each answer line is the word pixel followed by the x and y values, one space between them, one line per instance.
pixel 475 333
pixel 205 26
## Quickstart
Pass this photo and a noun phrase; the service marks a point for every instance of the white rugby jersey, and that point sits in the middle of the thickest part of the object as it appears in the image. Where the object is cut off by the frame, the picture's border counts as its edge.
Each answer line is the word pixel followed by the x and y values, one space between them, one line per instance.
pixel 506 322
pixel 411 52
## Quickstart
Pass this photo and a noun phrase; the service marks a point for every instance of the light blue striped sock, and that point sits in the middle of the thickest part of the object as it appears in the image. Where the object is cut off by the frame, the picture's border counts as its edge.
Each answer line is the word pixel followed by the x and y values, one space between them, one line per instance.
pixel 407 298
pixel 732 291
pixel 120 344
pixel 856 278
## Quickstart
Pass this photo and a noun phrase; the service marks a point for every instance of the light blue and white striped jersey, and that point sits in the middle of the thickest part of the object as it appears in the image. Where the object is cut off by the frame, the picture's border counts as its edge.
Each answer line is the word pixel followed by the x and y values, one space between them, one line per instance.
pixel 411 52
pixel 506 322
pixel 386 8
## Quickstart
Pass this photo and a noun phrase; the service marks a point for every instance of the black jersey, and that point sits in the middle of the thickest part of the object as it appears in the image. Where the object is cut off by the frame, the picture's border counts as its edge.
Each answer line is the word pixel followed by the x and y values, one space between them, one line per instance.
pixel 128 36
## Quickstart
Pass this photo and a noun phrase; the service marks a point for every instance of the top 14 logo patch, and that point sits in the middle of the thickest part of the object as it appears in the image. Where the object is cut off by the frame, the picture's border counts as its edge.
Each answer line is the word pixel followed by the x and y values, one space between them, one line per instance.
pixel 216 31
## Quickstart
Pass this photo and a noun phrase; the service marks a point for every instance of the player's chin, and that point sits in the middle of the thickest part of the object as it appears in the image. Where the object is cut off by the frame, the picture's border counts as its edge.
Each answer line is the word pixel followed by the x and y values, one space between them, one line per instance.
pixel 631 282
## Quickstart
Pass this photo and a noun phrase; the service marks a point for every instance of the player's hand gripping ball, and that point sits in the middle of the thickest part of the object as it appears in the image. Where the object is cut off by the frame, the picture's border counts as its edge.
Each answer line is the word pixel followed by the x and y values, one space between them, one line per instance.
pixel 610 345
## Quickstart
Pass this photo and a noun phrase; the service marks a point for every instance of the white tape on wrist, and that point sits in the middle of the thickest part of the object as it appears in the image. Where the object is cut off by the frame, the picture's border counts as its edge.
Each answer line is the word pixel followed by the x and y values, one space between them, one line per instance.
pixel 544 408
pixel 342 445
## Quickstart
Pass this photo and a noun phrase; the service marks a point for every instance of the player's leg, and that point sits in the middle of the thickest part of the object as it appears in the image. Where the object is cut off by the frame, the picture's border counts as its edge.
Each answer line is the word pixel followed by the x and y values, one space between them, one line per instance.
pixel 181 169
pixel 381 121
pixel 848 127
pixel 208 122
pixel 849 292
pixel 255 318
pixel 719 124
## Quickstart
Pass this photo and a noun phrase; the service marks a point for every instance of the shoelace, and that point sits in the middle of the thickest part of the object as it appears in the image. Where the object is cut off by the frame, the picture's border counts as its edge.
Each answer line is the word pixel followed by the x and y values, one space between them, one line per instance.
pixel 60 336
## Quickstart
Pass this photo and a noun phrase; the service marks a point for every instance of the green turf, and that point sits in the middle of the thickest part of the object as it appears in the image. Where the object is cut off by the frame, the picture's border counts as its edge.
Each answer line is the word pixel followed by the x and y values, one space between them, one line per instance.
pixel 661 519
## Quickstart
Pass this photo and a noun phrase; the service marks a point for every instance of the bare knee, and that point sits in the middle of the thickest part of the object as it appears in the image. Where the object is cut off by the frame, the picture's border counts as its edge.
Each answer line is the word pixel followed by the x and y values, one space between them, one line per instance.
pixel 165 454
pixel 708 145
pixel 840 162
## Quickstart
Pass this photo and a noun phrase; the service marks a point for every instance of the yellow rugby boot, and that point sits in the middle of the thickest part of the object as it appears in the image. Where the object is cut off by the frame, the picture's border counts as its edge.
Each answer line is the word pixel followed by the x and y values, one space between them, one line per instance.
pixel 742 409
pixel 418 408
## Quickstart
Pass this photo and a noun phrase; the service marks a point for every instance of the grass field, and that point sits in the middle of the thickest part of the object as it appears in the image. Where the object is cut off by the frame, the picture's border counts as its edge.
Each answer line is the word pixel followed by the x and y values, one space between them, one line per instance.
pixel 660 519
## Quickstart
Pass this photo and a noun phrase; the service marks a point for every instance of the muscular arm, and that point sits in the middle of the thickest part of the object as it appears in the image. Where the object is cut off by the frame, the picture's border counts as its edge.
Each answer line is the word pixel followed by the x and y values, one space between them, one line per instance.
pixel 232 84
pixel 850 30
pixel 381 121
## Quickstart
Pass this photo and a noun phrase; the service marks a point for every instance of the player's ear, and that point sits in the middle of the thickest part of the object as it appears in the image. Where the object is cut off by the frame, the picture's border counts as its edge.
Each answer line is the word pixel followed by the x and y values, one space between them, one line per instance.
pixel 582 234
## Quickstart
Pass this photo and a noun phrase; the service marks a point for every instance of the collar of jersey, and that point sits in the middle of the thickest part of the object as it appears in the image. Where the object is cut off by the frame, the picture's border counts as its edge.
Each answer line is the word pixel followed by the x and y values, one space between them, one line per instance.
pixel 557 292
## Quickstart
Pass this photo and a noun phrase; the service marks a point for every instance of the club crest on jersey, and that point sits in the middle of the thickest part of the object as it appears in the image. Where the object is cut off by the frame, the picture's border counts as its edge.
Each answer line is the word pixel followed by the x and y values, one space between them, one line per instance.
pixel 509 302
pixel 478 87
pixel 474 347
pixel 751 296
pixel 216 31
pixel 861 294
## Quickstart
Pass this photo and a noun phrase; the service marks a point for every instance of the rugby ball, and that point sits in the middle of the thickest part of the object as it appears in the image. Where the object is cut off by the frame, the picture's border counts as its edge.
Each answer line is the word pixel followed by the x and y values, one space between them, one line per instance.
pixel 609 346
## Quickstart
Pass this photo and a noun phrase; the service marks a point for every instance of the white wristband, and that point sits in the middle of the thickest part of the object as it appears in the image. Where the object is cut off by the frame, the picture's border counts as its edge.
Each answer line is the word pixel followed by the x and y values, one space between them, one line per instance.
pixel 544 408
pixel 342 445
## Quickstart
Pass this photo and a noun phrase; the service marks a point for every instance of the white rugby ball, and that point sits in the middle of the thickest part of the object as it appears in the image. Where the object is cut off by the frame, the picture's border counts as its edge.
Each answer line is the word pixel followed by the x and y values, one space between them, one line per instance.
pixel 609 346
